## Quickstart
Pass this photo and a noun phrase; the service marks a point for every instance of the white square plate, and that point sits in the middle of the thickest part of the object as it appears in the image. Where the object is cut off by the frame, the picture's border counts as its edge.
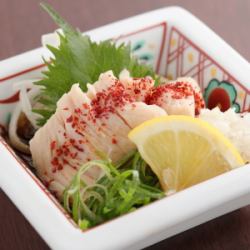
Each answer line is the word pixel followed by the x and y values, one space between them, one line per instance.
pixel 175 43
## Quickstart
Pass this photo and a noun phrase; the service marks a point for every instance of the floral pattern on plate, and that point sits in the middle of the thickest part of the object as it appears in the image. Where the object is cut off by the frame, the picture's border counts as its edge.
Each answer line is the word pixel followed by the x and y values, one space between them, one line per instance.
pixel 184 58
pixel 144 57
pixel 221 94
pixel 147 44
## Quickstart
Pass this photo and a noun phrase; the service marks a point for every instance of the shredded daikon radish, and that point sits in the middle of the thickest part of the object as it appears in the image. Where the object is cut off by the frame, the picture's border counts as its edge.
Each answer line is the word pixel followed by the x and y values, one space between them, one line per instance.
pixel 14 139
pixel 28 91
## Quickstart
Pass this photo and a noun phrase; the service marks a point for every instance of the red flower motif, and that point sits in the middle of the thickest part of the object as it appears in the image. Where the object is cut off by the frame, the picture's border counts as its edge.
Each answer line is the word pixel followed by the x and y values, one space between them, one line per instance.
pixel 219 98
pixel 221 94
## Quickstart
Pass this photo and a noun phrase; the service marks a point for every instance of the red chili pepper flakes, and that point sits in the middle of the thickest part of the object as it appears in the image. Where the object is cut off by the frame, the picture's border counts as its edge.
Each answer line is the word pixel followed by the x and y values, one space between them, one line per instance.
pixel 65 161
pixel 78 111
pixel 199 102
pixel 78 148
pixel 115 96
pixel 69 119
pixel 72 141
pixel 47 183
pixel 85 106
pixel 52 145
pixel 114 141
pixel 60 167
pixel 178 90
pixel 139 87
pixel 79 132
pixel 80 141
pixel 109 99
pixel 55 161
pixel 69 148
pixel 59 152
pixel 73 155
pixel 137 91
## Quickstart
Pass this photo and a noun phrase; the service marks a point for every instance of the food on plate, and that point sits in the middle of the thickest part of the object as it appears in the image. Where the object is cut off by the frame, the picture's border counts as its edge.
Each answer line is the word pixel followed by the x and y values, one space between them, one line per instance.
pixel 107 135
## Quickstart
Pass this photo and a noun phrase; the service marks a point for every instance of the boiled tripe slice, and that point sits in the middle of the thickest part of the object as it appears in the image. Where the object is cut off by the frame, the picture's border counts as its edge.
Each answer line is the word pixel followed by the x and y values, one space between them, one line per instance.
pixel 183 151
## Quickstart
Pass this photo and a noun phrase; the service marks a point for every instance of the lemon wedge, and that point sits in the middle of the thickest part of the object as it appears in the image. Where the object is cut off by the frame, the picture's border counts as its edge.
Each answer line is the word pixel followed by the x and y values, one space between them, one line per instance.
pixel 183 151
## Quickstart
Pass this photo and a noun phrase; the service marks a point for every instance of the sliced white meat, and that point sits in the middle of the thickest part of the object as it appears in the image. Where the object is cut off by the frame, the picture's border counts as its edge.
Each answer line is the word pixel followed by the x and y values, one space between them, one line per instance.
pixel 82 120
pixel 84 125
pixel 198 97
pixel 60 155
pixel 174 98
pixel 134 88
pixel 109 95
pixel 138 88
pixel 180 97
pixel 105 94
pixel 138 112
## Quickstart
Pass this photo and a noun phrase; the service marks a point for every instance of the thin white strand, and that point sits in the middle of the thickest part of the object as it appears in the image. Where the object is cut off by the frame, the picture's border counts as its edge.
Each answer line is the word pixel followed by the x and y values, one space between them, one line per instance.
pixel 26 100
pixel 26 84
pixel 14 139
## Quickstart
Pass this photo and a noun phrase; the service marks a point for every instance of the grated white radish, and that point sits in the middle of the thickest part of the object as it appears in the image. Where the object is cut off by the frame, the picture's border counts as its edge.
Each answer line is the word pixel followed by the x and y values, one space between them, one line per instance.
pixel 235 126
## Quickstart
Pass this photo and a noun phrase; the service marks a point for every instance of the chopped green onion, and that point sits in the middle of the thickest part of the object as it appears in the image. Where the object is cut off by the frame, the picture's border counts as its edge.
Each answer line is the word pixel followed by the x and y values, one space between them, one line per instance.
pixel 117 192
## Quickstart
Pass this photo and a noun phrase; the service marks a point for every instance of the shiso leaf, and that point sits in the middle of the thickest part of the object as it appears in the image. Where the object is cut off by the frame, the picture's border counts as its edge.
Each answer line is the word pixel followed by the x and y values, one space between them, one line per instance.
pixel 80 60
